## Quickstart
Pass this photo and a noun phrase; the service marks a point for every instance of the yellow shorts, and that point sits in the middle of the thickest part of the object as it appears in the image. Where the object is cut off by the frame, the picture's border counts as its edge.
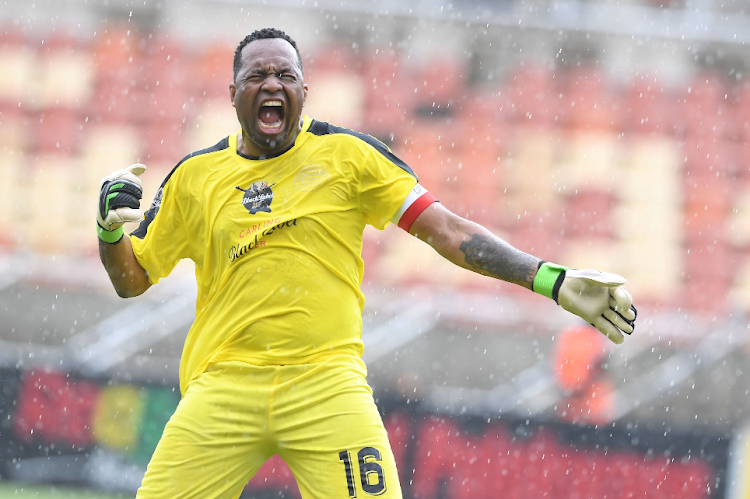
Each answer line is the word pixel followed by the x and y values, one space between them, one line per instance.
pixel 319 418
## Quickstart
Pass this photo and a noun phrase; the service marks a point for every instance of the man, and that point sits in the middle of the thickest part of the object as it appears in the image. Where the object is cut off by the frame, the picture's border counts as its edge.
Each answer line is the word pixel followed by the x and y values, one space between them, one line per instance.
pixel 273 217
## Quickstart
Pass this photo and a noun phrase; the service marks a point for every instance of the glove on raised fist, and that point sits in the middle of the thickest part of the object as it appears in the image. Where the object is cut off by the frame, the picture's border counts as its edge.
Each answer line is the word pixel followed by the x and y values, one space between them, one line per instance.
pixel 596 297
pixel 119 202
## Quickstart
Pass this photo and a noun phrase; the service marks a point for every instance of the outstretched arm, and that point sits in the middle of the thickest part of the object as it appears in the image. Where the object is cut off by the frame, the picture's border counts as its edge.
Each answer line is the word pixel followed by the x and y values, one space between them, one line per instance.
pixel 596 297
pixel 471 246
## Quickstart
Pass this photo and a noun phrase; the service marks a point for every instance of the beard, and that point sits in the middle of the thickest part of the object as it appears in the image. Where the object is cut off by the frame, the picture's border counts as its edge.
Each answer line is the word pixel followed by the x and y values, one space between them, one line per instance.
pixel 271 143
pixel 268 143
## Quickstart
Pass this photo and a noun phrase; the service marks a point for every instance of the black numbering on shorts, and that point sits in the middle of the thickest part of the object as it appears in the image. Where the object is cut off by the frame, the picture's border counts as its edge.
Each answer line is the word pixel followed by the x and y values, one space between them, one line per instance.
pixel 344 456
pixel 369 470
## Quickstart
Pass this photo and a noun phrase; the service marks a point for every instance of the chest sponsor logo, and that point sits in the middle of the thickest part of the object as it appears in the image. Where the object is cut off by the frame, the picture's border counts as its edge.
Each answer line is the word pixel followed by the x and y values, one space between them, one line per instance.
pixel 267 229
pixel 257 197
pixel 310 177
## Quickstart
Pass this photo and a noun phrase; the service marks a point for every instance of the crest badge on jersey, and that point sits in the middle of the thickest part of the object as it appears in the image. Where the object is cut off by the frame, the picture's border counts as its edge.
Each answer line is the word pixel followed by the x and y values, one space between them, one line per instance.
pixel 257 197
pixel 310 177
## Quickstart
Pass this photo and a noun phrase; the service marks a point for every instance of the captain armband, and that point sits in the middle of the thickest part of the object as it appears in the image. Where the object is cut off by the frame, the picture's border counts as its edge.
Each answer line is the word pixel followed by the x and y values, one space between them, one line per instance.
pixel 415 203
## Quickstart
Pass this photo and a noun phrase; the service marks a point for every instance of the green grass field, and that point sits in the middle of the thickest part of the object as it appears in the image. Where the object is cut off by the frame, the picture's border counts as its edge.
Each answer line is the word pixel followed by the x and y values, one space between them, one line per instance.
pixel 10 490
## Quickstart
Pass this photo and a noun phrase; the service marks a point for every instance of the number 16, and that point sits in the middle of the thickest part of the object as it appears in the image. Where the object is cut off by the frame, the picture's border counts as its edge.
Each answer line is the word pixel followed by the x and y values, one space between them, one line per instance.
pixel 368 468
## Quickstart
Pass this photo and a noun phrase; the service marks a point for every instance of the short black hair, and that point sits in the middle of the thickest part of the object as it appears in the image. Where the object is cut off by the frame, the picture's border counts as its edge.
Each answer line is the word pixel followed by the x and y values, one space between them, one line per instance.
pixel 263 34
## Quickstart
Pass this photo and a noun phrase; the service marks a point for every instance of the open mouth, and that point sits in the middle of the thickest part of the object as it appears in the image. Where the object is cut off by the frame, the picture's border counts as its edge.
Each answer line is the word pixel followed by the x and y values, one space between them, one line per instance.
pixel 271 116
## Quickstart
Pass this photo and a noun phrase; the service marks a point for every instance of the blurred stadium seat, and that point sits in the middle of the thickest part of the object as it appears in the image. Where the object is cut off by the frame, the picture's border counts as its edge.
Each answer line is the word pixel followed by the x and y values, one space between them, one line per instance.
pixel 57 129
pixel 632 166
pixel 586 100
pixel 647 106
pixel 439 83
pixel 542 155
pixel 532 96
pixel 213 69
pixel 704 107
pixel 388 96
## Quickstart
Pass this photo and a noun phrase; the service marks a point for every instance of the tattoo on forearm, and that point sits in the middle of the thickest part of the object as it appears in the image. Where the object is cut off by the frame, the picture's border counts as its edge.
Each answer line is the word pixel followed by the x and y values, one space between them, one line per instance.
pixel 496 258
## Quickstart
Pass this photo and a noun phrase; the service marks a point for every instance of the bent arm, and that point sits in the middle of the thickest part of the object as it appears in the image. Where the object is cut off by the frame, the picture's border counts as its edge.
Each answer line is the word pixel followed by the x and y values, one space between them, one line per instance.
pixel 126 274
pixel 471 246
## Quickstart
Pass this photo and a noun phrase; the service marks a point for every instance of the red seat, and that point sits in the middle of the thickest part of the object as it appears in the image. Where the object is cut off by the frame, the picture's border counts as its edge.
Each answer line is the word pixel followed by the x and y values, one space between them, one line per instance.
pixel 533 99
pixel 585 102
pixel 433 456
pixel 212 70
pixel 538 233
pixel 468 477
pixel 116 55
pixel 740 113
pixel 482 123
pixel 119 102
pixel 589 214
pixel 623 470
pixel 388 98
pixel 171 103
pixel 711 156
pixel 58 130
pixel 15 127
pixel 704 109
pixel 694 480
pixel 164 142
pixel 498 450
pixel 710 259
pixel 332 57
pixel 170 90
pixel 483 142
pixel 647 106
pixel 535 480
pixel 11 35
pixel 705 295
pixel 275 475
pixel 426 148
pixel 387 110
pixel 705 218
pixel 63 40
pixel 440 83
pixel 55 409
pixel 707 203
pixel 584 482
pixel 398 426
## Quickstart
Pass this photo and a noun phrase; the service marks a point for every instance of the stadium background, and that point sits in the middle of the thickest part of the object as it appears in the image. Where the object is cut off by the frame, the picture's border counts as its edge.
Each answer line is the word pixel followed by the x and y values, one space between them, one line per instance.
pixel 597 134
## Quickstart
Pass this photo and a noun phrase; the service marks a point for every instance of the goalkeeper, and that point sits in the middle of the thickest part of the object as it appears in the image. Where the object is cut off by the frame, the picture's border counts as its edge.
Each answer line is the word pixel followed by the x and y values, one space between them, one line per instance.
pixel 273 217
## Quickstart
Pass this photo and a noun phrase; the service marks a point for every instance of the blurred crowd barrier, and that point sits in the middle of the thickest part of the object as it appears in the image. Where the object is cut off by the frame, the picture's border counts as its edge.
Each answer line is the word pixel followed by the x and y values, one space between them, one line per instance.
pixel 635 178
pixel 61 427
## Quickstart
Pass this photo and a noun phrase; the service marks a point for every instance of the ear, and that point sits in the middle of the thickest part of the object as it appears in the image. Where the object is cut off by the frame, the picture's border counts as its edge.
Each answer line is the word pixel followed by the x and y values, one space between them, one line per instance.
pixel 232 92
pixel 304 94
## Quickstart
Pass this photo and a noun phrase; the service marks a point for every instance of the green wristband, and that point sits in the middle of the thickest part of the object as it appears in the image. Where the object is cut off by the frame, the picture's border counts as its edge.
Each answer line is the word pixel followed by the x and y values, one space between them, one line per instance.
pixel 110 236
pixel 546 278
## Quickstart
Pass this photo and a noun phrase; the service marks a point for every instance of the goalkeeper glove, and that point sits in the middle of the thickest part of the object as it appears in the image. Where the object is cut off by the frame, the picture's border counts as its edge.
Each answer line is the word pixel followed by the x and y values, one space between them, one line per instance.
pixel 596 297
pixel 119 202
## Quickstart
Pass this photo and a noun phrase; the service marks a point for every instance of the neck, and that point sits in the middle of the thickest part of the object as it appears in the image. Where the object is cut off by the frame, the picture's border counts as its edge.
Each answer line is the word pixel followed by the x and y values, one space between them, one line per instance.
pixel 248 147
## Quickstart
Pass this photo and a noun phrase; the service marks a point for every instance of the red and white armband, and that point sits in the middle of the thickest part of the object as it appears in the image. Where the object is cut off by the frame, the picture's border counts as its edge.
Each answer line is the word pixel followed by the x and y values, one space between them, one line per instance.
pixel 415 203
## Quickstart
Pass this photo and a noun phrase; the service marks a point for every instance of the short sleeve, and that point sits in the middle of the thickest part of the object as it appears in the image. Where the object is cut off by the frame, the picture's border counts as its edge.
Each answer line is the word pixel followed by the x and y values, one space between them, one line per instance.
pixel 386 182
pixel 160 241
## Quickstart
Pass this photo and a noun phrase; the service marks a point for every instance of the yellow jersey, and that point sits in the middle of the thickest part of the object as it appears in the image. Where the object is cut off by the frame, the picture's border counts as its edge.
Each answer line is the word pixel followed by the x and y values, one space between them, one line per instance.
pixel 276 243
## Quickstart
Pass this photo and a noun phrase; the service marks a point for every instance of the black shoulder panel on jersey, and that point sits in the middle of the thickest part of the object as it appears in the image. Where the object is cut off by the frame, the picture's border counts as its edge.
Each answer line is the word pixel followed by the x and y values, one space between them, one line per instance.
pixel 140 232
pixel 323 128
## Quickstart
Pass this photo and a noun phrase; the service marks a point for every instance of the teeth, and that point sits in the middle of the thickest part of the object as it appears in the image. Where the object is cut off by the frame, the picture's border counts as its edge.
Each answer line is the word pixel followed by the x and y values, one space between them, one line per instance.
pixel 271 103
pixel 272 125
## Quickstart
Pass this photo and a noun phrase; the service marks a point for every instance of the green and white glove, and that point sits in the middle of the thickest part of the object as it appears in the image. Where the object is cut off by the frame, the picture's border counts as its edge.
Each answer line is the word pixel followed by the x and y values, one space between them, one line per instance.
pixel 596 297
pixel 119 202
